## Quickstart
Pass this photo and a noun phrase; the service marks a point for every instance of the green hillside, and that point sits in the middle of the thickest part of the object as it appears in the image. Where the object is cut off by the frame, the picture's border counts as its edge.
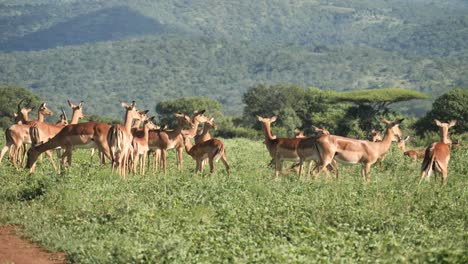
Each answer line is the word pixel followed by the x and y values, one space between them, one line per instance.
pixel 105 51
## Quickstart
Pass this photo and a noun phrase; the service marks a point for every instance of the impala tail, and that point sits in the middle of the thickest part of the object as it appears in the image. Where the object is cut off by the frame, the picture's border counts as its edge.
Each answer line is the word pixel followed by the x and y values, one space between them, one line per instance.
pixel 219 152
pixel 428 162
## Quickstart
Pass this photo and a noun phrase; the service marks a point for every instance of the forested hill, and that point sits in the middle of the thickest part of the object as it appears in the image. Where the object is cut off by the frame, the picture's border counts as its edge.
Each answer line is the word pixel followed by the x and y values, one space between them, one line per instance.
pixel 110 50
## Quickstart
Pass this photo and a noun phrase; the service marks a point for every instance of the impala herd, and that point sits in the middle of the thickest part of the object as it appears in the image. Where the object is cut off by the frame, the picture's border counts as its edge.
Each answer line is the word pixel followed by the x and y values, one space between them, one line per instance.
pixel 128 145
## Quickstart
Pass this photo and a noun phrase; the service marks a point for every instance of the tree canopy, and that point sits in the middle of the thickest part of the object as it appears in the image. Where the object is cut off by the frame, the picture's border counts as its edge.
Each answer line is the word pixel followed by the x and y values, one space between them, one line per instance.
pixel 187 105
pixel 449 106
pixel 10 96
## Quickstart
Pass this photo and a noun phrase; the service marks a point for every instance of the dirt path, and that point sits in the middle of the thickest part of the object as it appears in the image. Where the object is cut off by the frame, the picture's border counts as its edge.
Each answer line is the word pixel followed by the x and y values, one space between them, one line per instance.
pixel 14 249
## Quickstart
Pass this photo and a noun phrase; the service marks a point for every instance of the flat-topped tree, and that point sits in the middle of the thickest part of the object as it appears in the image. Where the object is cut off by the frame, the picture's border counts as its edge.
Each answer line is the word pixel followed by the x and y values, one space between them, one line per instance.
pixel 372 103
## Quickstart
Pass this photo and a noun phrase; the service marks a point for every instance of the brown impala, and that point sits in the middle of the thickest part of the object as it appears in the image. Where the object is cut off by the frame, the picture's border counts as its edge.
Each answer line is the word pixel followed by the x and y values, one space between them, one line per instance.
pixel 437 155
pixel 354 151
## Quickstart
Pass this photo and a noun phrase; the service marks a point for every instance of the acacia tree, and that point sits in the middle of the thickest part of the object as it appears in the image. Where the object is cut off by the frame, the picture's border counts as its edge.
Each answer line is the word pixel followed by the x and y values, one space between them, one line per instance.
pixel 369 106
pixel 10 96
pixel 449 106
pixel 295 107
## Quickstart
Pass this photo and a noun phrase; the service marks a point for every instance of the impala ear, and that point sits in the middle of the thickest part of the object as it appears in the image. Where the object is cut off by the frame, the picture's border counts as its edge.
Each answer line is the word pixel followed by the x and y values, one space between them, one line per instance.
pixel 212 119
pixel 399 121
pixel 407 138
pixel 133 104
pixel 259 118
pixel 201 112
pixel 145 112
pixel 124 105
pixel 81 104
pixel 69 103
pixel 452 123
pixel 273 118
pixel 438 123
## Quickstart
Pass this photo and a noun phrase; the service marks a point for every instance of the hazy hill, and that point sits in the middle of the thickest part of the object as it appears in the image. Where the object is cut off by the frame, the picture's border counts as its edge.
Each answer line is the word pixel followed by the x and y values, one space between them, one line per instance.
pixel 154 50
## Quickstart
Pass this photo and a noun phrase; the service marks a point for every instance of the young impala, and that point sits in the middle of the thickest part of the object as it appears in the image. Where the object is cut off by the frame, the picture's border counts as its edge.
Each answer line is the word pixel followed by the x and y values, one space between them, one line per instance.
pixel 140 145
pixel 212 149
pixel 437 155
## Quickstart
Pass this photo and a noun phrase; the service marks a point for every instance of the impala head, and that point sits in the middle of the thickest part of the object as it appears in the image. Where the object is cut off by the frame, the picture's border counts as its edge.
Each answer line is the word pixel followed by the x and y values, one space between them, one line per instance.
pixel 44 110
pixel 320 131
pixel 393 128
pixel 402 143
pixel 198 116
pixel 22 113
pixel 183 119
pixel 211 123
pixel 77 109
pixel 63 118
pixel 33 154
pixel 149 123
pixel 376 135
pixel 443 130
pixel 143 115
pixel 299 133
pixel 130 111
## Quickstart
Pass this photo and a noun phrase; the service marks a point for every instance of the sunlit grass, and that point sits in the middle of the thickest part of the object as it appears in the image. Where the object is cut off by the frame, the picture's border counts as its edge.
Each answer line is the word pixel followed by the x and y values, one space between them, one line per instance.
pixel 96 217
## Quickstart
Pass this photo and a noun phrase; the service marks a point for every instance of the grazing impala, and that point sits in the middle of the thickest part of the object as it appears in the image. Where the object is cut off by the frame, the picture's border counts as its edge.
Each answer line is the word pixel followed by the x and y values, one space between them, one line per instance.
pixel 212 149
pixel 354 151
pixel 437 155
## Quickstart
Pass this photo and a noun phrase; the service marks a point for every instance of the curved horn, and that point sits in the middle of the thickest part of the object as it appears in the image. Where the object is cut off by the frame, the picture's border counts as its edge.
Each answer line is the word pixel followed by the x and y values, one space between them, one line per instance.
pixel 19 104
pixel 64 115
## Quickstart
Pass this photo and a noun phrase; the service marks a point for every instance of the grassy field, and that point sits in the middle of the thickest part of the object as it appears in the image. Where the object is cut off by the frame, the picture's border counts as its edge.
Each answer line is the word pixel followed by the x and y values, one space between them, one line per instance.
pixel 96 217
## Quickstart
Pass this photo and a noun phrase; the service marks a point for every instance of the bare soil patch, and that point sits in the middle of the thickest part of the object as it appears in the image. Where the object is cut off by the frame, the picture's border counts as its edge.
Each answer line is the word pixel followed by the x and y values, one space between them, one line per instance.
pixel 14 249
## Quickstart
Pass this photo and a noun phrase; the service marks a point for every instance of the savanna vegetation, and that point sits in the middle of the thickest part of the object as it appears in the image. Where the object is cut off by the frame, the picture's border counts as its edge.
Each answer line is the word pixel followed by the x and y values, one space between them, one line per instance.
pixel 95 216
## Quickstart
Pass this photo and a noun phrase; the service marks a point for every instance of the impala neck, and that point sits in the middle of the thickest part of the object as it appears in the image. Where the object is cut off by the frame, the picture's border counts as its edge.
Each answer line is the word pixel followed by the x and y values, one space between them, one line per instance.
pixel 267 131
pixel 40 116
pixel 206 130
pixel 128 121
pixel 193 129
pixel 75 117
pixel 188 145
pixel 387 140
pixel 137 124
pixel 443 132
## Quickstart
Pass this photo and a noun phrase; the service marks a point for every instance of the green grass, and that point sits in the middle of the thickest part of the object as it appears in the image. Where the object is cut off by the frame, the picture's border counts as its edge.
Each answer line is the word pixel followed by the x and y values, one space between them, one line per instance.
pixel 96 217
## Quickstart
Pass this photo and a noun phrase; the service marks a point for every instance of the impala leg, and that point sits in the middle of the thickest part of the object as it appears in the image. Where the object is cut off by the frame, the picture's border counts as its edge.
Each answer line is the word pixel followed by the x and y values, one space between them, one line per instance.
pixel 164 159
pixel 335 167
pixel 226 164
pixel 210 161
pixel 143 162
pixel 444 177
pixel 180 152
pixel 301 166
pixel 4 151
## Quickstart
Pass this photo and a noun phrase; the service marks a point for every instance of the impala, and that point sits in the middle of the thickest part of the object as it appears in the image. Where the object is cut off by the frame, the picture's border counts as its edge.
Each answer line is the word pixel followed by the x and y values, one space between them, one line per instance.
pixel 19 134
pixel 120 138
pixel 213 150
pixel 169 139
pixel 354 151
pixel 140 145
pixel 308 150
pixel 204 135
pixel 82 135
pixel 437 155
pixel 42 131
pixel 280 149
